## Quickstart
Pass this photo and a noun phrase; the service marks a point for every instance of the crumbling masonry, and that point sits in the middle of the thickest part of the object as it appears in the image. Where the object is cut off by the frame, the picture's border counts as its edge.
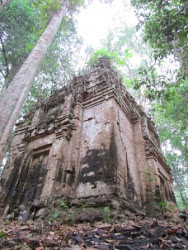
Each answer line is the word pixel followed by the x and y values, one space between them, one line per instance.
pixel 88 141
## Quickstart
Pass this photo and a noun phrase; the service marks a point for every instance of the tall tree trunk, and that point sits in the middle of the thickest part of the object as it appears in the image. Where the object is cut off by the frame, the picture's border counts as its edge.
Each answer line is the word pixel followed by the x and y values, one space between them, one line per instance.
pixel 14 97
pixel 3 3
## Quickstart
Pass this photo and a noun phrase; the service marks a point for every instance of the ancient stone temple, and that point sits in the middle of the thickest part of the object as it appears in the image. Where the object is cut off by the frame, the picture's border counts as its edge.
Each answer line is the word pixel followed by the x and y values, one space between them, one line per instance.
pixel 88 141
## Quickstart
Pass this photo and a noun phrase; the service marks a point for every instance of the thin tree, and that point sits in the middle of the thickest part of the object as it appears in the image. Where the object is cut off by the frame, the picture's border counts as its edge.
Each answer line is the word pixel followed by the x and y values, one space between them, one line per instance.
pixel 14 97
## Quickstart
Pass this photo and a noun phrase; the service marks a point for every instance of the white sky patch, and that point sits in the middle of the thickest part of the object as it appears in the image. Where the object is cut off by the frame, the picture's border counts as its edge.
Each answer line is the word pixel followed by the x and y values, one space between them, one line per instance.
pixel 97 19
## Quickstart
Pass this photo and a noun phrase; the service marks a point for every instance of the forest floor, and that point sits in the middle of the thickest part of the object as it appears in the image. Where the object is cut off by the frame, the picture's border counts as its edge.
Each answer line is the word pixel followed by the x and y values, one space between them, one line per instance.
pixel 128 235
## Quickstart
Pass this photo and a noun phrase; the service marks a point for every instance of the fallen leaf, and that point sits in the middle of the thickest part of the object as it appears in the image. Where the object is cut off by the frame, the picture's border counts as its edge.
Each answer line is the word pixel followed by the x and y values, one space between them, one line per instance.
pixel 24 228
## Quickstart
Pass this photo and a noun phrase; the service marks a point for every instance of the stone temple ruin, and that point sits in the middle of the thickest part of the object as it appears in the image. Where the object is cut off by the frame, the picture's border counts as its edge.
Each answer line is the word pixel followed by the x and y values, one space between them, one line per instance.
pixel 88 141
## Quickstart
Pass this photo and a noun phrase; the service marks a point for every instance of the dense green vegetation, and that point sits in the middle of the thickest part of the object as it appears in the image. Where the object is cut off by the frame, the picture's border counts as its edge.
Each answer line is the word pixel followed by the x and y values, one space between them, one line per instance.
pixel 165 27
pixel 16 39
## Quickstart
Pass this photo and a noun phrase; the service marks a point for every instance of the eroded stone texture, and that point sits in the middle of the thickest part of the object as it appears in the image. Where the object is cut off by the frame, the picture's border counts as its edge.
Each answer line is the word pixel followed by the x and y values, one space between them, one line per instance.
pixel 88 141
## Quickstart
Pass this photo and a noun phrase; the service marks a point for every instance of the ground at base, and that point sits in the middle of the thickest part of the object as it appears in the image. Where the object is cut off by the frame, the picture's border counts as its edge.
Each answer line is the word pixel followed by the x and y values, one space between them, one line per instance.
pixel 130 235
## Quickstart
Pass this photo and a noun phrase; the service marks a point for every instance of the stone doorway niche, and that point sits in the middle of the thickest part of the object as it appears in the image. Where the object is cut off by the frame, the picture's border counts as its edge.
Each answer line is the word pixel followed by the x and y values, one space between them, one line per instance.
pixel 37 169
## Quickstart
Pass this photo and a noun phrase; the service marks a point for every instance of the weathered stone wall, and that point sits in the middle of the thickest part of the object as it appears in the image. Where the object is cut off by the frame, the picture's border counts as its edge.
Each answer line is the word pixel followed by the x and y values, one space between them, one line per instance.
pixel 88 141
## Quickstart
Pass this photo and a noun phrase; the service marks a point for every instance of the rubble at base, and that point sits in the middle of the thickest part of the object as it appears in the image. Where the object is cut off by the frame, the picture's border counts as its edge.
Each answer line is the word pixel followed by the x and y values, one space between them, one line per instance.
pixel 131 234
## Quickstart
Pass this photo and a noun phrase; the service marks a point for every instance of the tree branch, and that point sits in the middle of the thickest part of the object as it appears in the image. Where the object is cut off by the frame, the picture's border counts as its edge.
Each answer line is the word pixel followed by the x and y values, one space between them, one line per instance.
pixel 5 58
pixel 3 3
pixel 2 73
